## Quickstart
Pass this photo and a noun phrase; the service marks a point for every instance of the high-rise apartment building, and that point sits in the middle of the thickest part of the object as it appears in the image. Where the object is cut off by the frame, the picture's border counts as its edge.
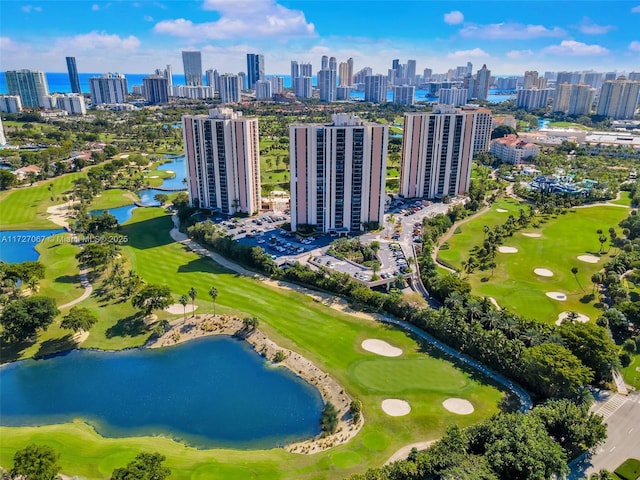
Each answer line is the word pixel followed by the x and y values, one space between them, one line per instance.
pixel 338 173
pixel 360 75
pixel 263 90
pixel 301 74
pixel 533 98
pixel 277 84
pixel 437 149
pixel 72 103
pixel 156 89
pixel 345 73
pixel 581 99
pixel 634 76
pixel 530 79
pixel 375 89
pixel 255 69
pixel 618 99
pixel 209 78
pixel 74 81
pixel 453 96
pixel 10 103
pixel 109 88
pixel 411 72
pixel 561 98
pixel 229 88
pixel 223 161
pixel 404 94
pixel 327 80
pixel 483 125
pixel 192 64
pixel 30 85
pixel 593 79
pixel 483 77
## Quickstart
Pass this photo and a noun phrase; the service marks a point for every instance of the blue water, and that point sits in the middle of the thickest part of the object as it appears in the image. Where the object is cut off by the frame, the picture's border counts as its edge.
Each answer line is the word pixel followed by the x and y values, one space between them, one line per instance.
pixel 179 167
pixel 210 392
pixel 122 214
pixel 543 122
pixel 17 246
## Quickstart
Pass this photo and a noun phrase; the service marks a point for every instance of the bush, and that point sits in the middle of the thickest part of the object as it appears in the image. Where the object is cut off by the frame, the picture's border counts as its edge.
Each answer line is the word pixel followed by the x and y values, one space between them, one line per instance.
pixel 329 418
pixel 279 356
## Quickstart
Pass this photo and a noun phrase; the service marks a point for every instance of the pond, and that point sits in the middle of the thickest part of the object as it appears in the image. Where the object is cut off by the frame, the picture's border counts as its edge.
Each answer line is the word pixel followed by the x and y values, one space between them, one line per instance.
pixel 17 246
pixel 209 392
pixel 122 214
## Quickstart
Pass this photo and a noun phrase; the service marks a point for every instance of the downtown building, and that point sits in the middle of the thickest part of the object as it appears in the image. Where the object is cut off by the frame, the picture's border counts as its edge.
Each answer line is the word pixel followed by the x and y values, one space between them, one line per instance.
pixel 301 74
pixel 338 173
pixel 223 161
pixel 618 99
pixel 109 88
pixel 192 64
pixel 453 96
pixel 327 78
pixel 156 89
pixel 437 150
pixel 72 69
pixel 72 103
pixel 533 98
pixel 230 87
pixel 30 85
pixel 375 89
pixel 404 94
pixel 255 69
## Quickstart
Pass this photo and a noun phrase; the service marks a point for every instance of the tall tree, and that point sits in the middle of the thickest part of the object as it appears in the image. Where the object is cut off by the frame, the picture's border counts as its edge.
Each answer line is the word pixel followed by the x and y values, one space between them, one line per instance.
pixel 146 466
pixel 21 319
pixel 184 300
pixel 36 462
pixel 152 297
pixel 79 319
pixel 213 293
pixel 193 293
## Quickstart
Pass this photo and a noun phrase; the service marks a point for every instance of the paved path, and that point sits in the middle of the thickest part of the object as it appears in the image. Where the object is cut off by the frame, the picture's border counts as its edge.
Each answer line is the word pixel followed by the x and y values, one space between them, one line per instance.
pixel 404 452
pixel 87 291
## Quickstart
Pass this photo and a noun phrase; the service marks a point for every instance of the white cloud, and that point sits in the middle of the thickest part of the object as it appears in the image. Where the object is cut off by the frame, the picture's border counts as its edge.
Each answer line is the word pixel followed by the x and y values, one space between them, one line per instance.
pixel 97 41
pixel 454 18
pixel 95 7
pixel 587 27
pixel 31 8
pixel 148 18
pixel 573 48
pixel 519 54
pixel 510 31
pixel 634 46
pixel 635 9
pixel 463 54
pixel 242 19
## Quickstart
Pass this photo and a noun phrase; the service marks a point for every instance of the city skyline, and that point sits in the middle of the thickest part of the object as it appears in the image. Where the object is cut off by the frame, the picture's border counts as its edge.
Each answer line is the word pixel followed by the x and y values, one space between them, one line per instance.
pixel 138 37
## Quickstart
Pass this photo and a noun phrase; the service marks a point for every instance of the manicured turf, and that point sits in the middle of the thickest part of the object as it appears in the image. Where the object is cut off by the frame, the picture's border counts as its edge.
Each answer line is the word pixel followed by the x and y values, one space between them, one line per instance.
pixel 576 126
pixel 564 238
pixel 112 198
pixel 625 199
pixel 629 470
pixel 26 208
pixel 325 336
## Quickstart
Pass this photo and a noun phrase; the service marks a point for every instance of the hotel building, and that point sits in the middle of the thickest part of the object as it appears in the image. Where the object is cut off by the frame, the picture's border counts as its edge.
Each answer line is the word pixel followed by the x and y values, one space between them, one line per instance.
pixel 437 150
pixel 30 85
pixel 109 88
pixel 338 173
pixel 618 99
pixel 223 161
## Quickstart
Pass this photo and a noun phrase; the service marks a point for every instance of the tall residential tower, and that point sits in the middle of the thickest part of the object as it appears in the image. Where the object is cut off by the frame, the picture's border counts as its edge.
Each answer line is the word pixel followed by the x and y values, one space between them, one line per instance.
pixel 192 62
pixel 74 81
pixel 30 85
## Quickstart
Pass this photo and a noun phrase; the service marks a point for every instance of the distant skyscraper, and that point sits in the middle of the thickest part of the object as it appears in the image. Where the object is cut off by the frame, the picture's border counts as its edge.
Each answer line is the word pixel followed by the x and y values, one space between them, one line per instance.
pixel 411 72
pixel 209 78
pixel 263 90
pixel 345 73
pixel 437 149
pixel 109 88
pixel 593 79
pixel 229 88
pixel 426 73
pixel 10 103
pixel 530 79
pixel 337 173
pixel 74 81
pixel 303 87
pixel 156 89
pixel 618 99
pixel 453 96
pixel 301 74
pixel 255 69
pixel 375 89
pixel 533 98
pixel 404 94
pixel 192 63
pixel 277 84
pixel 581 100
pixel 360 75
pixel 327 81
pixel 30 85
pixel 561 98
pixel 634 76
pixel 3 140
pixel 223 161
pixel 482 83
pixel 168 74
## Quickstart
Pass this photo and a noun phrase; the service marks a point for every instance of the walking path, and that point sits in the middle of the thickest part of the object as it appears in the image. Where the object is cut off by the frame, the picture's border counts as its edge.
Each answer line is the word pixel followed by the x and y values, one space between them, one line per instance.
pixel 333 301
pixel 404 452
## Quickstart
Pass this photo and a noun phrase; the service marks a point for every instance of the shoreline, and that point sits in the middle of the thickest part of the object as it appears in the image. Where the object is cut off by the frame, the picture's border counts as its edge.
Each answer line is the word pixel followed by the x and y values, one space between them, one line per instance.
pixel 198 326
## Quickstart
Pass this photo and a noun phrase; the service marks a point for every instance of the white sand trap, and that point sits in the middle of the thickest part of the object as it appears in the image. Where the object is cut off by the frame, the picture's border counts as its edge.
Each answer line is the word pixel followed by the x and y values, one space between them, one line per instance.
pixel 395 408
pixel 532 235
pixel 581 318
pixel 178 309
pixel 589 258
pixel 495 303
pixel 501 210
pixel 556 296
pixel 543 272
pixel 380 347
pixel 503 249
pixel 458 405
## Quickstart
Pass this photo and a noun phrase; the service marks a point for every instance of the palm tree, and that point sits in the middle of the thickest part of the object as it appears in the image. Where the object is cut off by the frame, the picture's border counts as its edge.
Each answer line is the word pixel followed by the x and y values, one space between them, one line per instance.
pixel 492 266
pixel 213 293
pixel 574 270
pixel 193 293
pixel 184 300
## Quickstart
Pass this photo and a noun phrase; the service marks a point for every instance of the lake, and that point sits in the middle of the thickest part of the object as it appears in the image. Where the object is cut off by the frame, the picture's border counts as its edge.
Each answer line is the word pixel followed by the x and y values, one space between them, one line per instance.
pixel 209 392
pixel 17 246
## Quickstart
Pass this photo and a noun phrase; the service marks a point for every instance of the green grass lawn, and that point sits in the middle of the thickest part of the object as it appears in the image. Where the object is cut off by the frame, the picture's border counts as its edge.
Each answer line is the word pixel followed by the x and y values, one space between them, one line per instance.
pixel 563 239
pixel 112 198
pixel 26 208
pixel 327 337
pixel 576 126
pixel 625 199
pixel 629 470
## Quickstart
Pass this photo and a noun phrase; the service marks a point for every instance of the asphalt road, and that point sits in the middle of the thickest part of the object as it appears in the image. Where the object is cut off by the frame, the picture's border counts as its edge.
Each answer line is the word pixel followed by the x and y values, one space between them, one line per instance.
pixel 622 415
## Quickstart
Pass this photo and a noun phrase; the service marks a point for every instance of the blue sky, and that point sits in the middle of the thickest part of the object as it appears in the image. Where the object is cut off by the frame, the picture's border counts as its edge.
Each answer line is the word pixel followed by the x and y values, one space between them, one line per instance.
pixel 138 36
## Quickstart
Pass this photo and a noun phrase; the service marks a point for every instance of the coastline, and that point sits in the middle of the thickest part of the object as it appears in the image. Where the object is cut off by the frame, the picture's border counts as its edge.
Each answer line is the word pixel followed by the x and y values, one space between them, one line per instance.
pixel 197 326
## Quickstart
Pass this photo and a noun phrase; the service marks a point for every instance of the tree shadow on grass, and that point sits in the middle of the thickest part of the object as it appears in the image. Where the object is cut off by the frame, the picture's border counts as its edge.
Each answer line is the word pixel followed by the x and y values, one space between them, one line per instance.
pixel 587 298
pixel 10 351
pixel 202 264
pixel 67 279
pixel 150 233
pixel 131 326
pixel 55 345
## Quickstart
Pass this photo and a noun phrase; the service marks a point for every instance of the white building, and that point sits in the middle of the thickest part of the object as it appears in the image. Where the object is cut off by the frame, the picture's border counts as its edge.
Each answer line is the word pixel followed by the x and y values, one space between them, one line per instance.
pixel 511 149
pixel 188 91
pixel 404 94
pixel 263 90
pixel 3 139
pixel 375 89
pixel 533 98
pixel 30 85
pixel 109 88
pixel 453 96
pixel 229 88
pixel 619 98
pixel 72 103
pixel 10 104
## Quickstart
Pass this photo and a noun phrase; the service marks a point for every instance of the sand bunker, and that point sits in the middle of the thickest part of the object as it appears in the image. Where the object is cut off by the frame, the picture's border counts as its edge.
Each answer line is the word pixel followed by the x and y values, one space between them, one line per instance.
pixel 588 258
pixel 532 235
pixel 380 347
pixel 458 405
pixel 178 309
pixel 556 296
pixel 396 408
pixel 543 272
pixel 501 210
pixel 503 249
pixel 581 318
